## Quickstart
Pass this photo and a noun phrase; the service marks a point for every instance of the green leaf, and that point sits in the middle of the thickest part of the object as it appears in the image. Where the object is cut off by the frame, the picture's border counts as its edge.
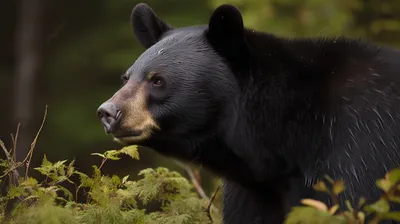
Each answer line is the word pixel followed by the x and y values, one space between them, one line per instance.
pixel 3 163
pixel 329 179
pixel 311 215
pixel 349 206
pixel 391 216
pixel 321 186
pixel 394 176
pixel 361 202
pixel 131 151
pixel 338 187
pixel 394 198
pixel 361 216
pixel 124 179
pixel 46 162
pixel 70 168
pixel 81 174
pixel 66 192
pixel 31 197
pixel 315 204
pixel 112 154
pixel 98 154
pixel 115 180
pixel 380 207
pixel 384 184
pixel 60 179
pixel 14 192
pixel 60 164
pixel 146 172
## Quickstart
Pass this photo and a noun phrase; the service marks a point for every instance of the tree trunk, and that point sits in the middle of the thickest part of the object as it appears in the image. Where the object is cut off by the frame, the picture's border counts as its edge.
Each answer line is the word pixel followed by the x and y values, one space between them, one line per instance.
pixel 28 59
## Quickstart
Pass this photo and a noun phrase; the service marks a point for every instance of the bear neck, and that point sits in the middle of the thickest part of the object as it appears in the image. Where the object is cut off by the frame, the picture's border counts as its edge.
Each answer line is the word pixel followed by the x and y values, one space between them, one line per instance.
pixel 289 96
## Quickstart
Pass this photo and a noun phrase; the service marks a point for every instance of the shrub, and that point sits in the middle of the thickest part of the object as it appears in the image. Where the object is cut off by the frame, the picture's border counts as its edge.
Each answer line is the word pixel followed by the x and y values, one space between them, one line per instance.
pixel 109 199
pixel 317 212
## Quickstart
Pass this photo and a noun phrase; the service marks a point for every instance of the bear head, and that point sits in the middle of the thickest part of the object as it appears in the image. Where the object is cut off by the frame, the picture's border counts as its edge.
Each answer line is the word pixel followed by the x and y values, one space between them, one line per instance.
pixel 183 84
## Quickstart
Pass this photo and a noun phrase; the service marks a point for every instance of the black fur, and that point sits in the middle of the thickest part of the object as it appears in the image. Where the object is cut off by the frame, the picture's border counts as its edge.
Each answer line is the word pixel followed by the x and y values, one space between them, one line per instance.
pixel 148 28
pixel 271 115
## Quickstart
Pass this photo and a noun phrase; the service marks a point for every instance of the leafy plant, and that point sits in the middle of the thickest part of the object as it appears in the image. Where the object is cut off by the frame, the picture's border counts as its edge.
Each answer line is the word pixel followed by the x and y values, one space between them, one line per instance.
pixel 318 212
pixel 109 199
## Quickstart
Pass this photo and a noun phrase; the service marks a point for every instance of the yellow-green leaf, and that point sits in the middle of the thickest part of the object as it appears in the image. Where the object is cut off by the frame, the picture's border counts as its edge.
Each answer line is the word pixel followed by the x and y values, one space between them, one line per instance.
pixel 112 154
pixel 361 217
pixel 338 187
pixel 131 151
pixel 349 206
pixel 384 184
pixel 391 216
pixel 329 179
pixel 312 216
pixel 380 207
pixel 333 209
pixel 394 198
pixel 394 176
pixel 361 202
pixel 316 204
pixel 98 154
pixel 70 168
pixel 321 186
pixel 124 179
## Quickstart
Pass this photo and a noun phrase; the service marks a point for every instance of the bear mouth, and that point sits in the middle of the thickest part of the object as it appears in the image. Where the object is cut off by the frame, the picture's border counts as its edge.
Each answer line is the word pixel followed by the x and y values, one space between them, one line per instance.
pixel 127 134
pixel 132 138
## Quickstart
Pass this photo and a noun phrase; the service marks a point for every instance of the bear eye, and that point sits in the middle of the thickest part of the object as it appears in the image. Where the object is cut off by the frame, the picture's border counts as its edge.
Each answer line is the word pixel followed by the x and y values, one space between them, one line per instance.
pixel 157 82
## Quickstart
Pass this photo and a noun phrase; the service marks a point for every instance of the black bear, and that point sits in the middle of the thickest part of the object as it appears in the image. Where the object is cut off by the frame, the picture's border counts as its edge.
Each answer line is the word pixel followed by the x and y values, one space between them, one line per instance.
pixel 270 115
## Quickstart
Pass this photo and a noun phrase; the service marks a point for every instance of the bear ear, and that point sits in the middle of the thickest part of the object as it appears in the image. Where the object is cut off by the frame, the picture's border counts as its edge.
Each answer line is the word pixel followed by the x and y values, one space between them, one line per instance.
pixel 226 29
pixel 146 25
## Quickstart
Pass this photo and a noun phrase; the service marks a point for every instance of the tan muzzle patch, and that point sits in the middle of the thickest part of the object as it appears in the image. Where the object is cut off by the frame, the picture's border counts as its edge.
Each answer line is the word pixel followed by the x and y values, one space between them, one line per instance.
pixel 136 117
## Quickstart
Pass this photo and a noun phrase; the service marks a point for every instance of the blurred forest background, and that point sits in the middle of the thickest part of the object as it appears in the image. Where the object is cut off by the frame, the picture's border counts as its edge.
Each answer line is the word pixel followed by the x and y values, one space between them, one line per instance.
pixel 69 55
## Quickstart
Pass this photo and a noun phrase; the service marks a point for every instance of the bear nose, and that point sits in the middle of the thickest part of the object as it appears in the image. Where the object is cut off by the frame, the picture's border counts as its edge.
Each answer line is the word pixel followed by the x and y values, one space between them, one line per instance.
pixel 109 115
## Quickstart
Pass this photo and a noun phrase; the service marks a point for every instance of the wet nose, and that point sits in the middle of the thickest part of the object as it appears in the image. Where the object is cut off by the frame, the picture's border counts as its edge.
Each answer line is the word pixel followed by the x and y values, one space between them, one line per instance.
pixel 109 115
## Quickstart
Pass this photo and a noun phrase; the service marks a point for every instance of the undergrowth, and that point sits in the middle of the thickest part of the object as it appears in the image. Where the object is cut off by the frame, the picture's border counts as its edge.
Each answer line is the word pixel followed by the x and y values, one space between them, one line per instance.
pixel 109 199
pixel 315 211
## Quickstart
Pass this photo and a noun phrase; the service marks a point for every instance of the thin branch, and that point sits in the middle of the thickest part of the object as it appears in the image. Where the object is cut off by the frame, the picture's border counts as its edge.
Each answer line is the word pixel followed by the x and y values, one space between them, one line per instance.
pixel 76 193
pixel 28 158
pixel 196 184
pixel 15 140
pixel 12 173
pixel 193 179
pixel 102 163
pixel 15 175
pixel 210 204
pixel 5 151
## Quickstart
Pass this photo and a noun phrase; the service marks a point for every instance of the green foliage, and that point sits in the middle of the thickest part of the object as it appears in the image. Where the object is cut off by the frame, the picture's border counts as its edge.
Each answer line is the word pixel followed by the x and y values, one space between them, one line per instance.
pixel 110 199
pixel 113 154
pixel 296 17
pixel 318 212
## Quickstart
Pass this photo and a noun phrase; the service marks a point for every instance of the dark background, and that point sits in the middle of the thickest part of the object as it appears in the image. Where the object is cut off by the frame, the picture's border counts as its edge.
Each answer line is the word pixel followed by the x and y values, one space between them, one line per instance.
pixel 69 55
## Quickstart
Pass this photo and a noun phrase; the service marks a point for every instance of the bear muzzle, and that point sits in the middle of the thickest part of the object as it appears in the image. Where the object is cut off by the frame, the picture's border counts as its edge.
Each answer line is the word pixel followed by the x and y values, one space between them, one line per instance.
pixel 125 115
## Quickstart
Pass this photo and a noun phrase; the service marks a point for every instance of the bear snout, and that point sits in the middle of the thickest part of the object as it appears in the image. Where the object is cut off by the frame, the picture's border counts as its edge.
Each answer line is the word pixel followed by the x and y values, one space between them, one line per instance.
pixel 109 115
pixel 126 116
